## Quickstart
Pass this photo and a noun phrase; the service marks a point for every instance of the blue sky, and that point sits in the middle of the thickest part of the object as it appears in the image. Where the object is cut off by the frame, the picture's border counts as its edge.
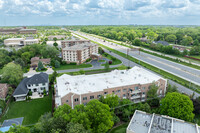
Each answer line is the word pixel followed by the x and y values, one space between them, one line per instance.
pixel 99 12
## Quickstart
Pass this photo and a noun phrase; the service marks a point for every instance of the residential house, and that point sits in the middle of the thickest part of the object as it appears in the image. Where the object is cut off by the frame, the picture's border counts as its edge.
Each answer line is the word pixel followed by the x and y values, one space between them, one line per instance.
pixel 35 61
pixel 3 91
pixel 36 84
pixel 164 43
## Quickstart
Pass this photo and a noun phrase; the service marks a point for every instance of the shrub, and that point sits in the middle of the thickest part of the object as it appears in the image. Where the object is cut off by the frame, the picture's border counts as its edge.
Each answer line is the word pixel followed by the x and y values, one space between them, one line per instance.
pixel 30 93
pixel 44 92
pixel 109 62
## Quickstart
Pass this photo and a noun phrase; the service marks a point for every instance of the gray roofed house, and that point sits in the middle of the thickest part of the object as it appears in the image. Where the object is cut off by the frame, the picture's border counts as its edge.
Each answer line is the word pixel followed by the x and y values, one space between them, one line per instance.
pixel 37 83
pixel 164 43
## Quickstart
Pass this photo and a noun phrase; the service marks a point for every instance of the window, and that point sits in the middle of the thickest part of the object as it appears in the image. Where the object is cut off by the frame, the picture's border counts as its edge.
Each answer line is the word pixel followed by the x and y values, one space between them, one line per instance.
pixel 41 88
pixel 105 93
pixel 76 99
pixel 43 84
pixel 36 84
pixel 118 91
pixel 124 95
pixel 84 98
pixel 143 93
pixel 98 96
pixel 91 97
pixel 67 101
pixel 29 85
pixel 29 89
pixel 124 90
pixel 136 88
pixel 85 103
pixel 144 88
pixel 113 91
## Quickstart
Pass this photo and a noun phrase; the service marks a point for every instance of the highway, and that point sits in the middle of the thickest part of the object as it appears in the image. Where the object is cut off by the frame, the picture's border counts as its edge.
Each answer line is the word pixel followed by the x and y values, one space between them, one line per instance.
pixel 185 72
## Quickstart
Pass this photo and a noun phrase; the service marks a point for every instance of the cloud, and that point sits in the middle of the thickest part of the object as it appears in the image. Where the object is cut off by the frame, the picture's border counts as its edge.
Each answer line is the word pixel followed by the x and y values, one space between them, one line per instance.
pixel 135 4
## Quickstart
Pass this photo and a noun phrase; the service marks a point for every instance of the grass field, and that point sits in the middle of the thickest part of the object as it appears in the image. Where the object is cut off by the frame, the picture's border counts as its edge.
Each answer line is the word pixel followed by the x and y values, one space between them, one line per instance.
pixel 31 111
pixel 70 66
pixel 110 57
pixel 198 57
pixel 120 129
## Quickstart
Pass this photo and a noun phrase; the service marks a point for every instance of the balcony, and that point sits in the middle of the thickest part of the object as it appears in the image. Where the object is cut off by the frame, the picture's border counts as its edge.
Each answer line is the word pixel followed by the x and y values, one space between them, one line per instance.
pixel 135 91
pixel 135 97
pixel 143 95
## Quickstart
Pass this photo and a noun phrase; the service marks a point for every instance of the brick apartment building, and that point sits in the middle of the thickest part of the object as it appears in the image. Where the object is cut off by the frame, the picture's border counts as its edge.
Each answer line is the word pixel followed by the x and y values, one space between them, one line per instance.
pixel 19 30
pixel 78 51
pixel 130 84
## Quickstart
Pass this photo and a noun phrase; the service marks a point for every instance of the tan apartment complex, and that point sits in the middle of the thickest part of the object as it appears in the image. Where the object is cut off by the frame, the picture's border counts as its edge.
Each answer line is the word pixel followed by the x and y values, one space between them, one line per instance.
pixel 78 51
pixel 19 42
pixel 58 37
pixel 130 84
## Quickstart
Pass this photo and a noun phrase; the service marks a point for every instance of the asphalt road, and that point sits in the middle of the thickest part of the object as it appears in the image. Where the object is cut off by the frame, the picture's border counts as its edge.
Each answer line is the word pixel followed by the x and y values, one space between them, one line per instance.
pixel 127 62
pixel 187 73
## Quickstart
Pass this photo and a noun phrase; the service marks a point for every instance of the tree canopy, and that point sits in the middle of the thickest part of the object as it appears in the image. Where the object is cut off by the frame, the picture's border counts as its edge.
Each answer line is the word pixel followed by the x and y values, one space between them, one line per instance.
pixel 12 74
pixel 177 105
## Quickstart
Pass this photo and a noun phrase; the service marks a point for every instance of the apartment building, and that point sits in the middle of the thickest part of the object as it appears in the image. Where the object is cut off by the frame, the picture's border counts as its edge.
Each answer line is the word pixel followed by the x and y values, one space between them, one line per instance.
pixel 130 84
pixel 19 30
pixel 58 37
pixel 78 51
pixel 68 43
pixel 19 42
pixel 143 122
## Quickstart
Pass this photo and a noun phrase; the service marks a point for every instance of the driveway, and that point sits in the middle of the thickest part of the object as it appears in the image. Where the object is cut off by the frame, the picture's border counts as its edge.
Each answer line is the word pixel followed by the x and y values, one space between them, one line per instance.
pixel 96 64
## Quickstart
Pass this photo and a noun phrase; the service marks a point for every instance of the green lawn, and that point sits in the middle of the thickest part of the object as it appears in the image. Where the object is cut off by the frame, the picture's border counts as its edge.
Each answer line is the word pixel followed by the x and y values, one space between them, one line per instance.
pixel 198 56
pixel 110 57
pixel 31 111
pixel 70 66
pixel 120 129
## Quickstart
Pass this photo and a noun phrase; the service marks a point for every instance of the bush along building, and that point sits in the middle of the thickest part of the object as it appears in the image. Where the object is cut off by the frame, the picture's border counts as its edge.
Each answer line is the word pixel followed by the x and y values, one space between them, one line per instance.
pixel 35 84
pixel 130 84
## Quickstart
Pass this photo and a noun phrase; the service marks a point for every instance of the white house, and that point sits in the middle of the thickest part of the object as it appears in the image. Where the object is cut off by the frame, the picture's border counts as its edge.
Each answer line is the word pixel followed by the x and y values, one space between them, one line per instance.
pixel 36 83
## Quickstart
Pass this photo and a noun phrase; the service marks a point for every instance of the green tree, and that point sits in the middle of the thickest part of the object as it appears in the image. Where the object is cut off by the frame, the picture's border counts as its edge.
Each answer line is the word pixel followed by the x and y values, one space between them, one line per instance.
pixel 187 40
pixel 152 93
pixel 63 111
pixel 153 96
pixel 137 42
pixel 57 64
pixel 144 107
pixel 107 66
pixel 18 129
pixel 12 74
pixel 171 38
pixel 26 57
pixel 4 57
pixel 40 66
pixel 44 124
pixel 177 105
pixel 100 116
pixel 75 128
pixel 111 100
pixel 152 35
pixel 20 62
pixel 171 88
pixel 196 42
pixel 55 39
pixel 55 44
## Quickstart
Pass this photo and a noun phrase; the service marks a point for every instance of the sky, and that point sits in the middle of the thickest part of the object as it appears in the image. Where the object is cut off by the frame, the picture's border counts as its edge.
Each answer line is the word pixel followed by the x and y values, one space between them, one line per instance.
pixel 99 12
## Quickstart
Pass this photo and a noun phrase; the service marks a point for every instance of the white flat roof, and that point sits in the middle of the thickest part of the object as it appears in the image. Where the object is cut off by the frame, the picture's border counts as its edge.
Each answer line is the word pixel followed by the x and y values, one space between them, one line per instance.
pixel 30 40
pixel 15 39
pixel 82 84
